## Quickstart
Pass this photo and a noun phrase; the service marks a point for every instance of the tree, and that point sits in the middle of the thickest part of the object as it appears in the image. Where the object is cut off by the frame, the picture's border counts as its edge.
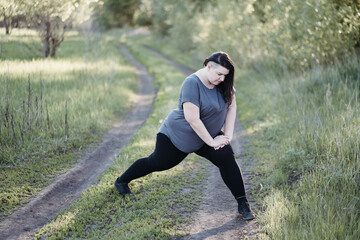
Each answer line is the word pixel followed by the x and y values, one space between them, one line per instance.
pixel 115 13
pixel 51 17
pixel 9 9
pixel 123 11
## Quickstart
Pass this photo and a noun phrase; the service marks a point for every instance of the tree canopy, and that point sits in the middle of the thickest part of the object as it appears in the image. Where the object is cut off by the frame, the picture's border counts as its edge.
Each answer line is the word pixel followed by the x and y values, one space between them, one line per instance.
pixel 282 32
pixel 10 10
pixel 285 33
pixel 114 13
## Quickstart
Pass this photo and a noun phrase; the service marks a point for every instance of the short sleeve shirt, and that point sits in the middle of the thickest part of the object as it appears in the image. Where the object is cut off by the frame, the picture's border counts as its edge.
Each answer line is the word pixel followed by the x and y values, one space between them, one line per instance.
pixel 213 110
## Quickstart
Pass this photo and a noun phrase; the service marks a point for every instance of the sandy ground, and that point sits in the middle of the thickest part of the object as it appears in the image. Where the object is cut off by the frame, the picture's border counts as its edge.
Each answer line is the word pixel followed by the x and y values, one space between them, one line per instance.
pixel 217 216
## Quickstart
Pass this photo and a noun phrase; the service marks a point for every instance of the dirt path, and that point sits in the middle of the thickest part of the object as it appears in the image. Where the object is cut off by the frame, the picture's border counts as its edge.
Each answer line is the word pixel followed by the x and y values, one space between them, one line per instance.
pixel 217 216
pixel 68 187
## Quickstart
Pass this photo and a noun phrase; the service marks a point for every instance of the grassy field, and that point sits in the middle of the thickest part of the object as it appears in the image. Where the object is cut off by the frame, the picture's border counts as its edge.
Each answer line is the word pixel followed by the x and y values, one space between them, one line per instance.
pixel 162 201
pixel 51 109
pixel 304 141
pixel 312 138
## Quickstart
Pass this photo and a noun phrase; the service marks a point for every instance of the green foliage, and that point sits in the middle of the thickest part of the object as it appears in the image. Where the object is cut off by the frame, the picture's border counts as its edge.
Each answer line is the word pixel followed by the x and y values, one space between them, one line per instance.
pixel 50 18
pixel 309 151
pixel 9 11
pixel 51 8
pixel 143 14
pixel 311 33
pixel 114 13
pixel 51 109
pixel 161 15
pixel 178 20
pixel 232 27
pixel 284 34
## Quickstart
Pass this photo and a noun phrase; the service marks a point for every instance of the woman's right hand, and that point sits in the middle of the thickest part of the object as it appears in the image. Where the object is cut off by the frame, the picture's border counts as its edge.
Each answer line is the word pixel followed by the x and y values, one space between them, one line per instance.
pixel 220 141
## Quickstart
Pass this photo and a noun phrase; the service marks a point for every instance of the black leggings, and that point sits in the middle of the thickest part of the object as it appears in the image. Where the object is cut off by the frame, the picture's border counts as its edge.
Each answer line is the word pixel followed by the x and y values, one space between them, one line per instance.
pixel 166 156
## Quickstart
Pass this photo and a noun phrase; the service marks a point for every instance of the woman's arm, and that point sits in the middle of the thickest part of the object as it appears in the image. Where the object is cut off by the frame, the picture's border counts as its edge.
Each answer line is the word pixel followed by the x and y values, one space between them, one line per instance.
pixel 192 116
pixel 230 119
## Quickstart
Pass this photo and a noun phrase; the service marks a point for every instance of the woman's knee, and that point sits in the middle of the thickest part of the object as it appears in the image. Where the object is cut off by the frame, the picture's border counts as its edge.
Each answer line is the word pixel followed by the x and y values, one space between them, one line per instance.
pixel 225 153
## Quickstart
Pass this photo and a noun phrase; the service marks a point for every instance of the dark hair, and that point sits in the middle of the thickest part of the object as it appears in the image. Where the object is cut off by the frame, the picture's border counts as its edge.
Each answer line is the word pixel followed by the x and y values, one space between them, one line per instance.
pixel 226 87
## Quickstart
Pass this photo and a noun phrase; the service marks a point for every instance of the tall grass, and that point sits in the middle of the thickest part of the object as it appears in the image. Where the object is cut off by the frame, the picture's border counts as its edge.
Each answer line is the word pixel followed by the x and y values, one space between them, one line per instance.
pixel 308 141
pixel 52 108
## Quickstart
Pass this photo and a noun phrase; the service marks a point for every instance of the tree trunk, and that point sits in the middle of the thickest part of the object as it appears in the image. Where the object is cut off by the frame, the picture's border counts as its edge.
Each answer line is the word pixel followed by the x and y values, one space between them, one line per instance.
pixel 7 23
pixel 46 48
pixel 47 39
pixel 54 45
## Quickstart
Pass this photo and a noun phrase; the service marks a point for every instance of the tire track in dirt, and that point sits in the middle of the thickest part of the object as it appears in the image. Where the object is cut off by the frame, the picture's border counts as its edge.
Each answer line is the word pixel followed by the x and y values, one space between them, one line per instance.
pixel 68 187
pixel 217 216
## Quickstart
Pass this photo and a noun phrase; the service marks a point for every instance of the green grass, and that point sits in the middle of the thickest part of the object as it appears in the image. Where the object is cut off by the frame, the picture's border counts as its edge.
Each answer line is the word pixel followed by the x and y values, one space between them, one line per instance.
pixel 22 44
pixel 162 200
pixel 305 136
pixel 51 109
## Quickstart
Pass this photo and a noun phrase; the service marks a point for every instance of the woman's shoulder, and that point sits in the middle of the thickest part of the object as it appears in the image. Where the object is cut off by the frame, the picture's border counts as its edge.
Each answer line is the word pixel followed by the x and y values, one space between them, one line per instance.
pixel 192 79
pixel 190 83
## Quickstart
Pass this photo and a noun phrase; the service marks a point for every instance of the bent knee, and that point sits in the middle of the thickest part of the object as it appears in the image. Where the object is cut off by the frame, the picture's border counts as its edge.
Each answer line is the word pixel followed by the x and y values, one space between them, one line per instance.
pixel 226 152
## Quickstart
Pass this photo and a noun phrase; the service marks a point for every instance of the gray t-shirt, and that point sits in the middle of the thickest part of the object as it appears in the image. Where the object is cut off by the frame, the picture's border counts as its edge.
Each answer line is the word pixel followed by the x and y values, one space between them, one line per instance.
pixel 213 112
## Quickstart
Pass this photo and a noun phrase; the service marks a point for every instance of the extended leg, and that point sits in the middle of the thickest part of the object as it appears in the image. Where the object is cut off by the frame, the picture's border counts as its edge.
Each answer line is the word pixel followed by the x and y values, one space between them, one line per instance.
pixel 165 156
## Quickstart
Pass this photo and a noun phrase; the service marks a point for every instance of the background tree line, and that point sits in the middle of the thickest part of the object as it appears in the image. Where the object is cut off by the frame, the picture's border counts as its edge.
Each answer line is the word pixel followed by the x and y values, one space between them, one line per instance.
pixel 50 17
pixel 286 33
pixel 290 34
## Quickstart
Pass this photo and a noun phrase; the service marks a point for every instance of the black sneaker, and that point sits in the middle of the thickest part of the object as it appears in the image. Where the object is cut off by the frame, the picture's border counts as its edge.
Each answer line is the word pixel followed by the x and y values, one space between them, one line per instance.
pixel 244 209
pixel 122 188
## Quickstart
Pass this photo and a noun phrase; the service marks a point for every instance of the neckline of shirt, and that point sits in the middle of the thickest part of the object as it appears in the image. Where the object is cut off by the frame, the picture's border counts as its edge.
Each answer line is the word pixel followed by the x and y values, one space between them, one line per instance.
pixel 203 83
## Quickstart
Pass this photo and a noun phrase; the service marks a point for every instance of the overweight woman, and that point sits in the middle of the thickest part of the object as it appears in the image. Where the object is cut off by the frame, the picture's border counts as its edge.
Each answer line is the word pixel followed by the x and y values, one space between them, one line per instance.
pixel 203 124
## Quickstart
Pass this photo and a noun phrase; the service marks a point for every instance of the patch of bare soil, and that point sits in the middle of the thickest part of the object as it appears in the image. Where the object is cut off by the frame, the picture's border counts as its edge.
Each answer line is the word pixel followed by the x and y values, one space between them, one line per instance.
pixel 217 217
pixel 68 187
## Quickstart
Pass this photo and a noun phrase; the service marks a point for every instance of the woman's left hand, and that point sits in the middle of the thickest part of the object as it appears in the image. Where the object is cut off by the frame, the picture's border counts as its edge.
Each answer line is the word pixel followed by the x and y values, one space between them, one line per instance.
pixel 222 145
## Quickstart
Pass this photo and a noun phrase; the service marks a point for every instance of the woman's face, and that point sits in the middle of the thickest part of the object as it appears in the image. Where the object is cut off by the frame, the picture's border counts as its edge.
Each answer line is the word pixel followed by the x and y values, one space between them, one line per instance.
pixel 216 73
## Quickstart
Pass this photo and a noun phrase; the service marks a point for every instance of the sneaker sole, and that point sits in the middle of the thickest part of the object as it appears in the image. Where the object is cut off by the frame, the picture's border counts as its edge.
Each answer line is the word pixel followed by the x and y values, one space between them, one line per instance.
pixel 246 219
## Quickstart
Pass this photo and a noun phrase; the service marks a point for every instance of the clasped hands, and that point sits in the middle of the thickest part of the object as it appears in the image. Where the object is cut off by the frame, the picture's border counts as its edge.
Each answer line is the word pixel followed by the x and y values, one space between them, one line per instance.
pixel 220 141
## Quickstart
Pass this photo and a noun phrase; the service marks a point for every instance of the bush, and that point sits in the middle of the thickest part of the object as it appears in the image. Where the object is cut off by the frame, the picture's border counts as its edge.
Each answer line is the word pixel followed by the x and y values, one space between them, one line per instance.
pixel 303 34
pixel 285 34
pixel 143 14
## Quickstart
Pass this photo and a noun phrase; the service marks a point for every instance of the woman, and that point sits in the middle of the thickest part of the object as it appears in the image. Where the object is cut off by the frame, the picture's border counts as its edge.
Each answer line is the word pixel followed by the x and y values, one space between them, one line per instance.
pixel 206 106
